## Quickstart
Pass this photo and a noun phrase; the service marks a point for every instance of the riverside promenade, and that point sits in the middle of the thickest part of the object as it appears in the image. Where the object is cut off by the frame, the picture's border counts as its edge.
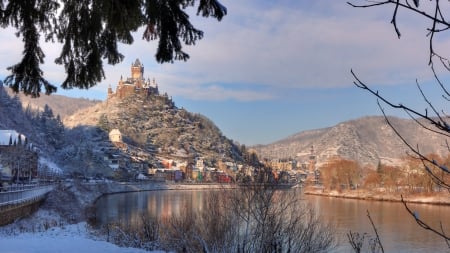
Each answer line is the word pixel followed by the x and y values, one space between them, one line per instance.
pixel 19 201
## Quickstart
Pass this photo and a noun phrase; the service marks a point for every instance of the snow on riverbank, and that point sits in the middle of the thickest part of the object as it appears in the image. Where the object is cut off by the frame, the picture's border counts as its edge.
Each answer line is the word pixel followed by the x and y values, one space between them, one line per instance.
pixel 437 198
pixel 73 238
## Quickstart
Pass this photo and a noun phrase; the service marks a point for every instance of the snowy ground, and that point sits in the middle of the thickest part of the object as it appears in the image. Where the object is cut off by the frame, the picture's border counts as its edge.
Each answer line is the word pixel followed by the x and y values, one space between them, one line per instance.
pixel 46 232
pixel 68 239
pixel 439 198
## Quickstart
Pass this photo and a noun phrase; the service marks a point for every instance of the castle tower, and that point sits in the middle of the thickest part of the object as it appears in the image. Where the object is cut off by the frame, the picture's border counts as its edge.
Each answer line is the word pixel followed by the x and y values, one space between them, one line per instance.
pixel 312 173
pixel 137 70
pixel 121 81
pixel 110 91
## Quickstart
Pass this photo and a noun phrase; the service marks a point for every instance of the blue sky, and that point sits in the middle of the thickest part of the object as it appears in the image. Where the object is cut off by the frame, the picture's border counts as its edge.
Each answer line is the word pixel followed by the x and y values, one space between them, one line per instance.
pixel 270 69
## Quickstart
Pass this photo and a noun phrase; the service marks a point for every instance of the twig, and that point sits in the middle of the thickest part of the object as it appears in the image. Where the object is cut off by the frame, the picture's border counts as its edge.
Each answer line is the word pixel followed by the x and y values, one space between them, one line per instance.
pixel 423 224
pixel 376 232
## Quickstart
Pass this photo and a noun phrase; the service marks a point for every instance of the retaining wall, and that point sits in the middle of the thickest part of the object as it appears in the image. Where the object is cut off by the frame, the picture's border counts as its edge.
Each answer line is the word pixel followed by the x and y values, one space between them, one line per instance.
pixel 21 202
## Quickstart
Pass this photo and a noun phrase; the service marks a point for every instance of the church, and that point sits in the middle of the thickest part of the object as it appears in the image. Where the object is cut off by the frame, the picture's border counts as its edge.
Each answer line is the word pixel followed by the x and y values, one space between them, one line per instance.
pixel 134 84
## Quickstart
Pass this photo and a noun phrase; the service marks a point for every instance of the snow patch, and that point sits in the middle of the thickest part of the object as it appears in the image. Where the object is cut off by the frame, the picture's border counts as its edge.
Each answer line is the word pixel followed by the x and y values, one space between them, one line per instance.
pixel 69 239
pixel 50 165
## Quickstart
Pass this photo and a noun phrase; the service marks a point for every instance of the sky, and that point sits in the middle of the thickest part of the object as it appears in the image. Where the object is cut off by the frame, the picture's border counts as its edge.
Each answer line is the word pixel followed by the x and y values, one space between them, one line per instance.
pixel 271 69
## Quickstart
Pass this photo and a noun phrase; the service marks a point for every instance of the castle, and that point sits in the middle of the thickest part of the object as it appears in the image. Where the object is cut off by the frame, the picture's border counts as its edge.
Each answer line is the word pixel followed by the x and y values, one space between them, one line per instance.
pixel 134 84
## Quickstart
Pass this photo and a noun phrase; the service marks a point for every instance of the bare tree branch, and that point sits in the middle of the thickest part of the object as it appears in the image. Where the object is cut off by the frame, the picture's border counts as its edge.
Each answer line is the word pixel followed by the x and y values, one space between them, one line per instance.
pixel 438 24
pixel 376 232
pixel 423 224
pixel 422 157
pixel 439 124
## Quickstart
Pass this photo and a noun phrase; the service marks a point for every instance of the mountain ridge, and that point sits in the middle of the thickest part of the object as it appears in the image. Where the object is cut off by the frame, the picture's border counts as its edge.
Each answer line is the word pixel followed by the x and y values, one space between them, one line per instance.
pixel 368 140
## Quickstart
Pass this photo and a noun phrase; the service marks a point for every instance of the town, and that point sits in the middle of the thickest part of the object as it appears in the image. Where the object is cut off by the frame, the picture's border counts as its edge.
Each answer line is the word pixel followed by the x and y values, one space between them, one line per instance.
pixel 126 161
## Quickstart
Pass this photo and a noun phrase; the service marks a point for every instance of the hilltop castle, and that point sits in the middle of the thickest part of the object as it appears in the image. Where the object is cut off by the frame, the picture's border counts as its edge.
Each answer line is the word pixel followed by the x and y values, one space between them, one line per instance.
pixel 134 84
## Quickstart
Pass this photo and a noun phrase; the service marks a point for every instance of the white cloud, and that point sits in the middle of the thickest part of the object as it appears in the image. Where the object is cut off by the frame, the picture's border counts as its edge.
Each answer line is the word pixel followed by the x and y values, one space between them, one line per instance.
pixel 287 46
pixel 291 44
pixel 219 93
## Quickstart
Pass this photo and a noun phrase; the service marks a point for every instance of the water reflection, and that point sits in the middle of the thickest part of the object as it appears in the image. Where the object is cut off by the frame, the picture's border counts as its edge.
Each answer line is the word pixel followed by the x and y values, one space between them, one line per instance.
pixel 127 207
pixel 397 229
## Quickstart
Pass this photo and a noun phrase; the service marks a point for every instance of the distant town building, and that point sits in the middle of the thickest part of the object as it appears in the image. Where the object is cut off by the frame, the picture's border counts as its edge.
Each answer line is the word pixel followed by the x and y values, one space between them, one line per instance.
pixel 313 173
pixel 134 84
pixel 18 159
pixel 199 164
pixel 312 161
pixel 115 135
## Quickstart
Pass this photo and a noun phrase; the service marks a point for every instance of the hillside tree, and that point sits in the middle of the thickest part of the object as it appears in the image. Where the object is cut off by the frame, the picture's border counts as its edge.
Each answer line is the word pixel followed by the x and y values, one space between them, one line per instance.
pixel 90 31
pixel 436 13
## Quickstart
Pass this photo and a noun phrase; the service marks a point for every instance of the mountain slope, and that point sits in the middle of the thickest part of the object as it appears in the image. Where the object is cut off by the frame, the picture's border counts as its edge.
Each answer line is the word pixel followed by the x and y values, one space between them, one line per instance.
pixel 61 105
pixel 367 140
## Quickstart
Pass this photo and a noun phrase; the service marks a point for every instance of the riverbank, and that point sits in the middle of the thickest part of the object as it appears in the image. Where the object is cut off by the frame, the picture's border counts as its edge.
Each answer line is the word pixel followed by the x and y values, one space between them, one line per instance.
pixel 60 223
pixel 438 198
pixel 72 202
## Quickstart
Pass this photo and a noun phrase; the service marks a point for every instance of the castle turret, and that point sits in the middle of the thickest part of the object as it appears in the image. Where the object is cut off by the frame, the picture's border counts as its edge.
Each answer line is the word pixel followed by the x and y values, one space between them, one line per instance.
pixel 137 70
pixel 110 91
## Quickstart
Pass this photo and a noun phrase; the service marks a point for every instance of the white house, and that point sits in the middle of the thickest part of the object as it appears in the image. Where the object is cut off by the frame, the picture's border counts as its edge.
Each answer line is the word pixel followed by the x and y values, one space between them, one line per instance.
pixel 199 164
pixel 115 135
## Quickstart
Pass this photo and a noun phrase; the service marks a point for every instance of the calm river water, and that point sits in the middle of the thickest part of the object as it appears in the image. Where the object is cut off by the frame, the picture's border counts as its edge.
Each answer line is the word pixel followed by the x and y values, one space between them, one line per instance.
pixel 397 229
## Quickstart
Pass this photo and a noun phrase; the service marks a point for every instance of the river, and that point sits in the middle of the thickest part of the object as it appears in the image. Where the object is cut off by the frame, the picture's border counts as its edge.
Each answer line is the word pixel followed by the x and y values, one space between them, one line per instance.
pixel 397 229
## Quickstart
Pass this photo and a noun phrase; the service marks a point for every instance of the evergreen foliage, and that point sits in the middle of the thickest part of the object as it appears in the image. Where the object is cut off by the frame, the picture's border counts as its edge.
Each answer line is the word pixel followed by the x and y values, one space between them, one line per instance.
pixel 90 32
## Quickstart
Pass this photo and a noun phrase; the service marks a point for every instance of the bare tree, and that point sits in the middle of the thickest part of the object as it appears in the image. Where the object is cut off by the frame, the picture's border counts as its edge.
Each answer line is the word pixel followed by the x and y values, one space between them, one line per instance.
pixel 254 218
pixel 432 11
pixel 357 240
pixel 144 233
pixel 431 119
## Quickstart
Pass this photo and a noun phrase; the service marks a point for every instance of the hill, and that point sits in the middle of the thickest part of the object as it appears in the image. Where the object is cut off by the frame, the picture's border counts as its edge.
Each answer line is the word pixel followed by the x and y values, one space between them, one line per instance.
pixel 156 127
pixel 153 130
pixel 367 140
pixel 61 105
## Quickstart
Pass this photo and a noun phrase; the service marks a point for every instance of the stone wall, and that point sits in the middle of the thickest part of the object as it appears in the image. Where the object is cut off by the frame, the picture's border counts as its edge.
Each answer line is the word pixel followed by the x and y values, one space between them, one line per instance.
pixel 13 212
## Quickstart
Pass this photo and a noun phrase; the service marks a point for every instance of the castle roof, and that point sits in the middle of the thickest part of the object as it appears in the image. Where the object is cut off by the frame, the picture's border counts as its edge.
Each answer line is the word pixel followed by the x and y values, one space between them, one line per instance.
pixel 137 63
